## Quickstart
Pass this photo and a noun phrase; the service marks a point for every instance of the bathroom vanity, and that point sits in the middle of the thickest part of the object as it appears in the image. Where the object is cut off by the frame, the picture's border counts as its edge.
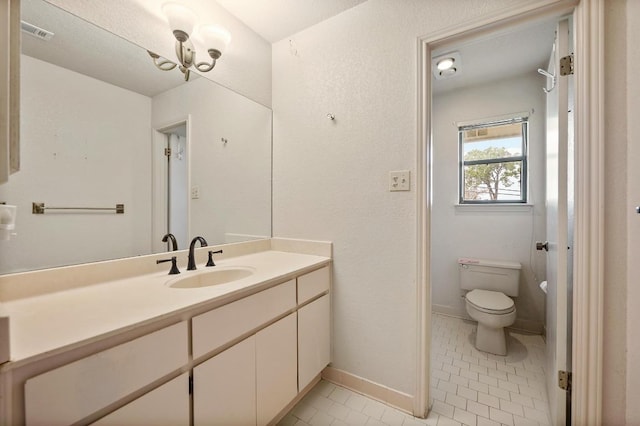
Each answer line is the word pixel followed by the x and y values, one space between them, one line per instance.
pixel 210 346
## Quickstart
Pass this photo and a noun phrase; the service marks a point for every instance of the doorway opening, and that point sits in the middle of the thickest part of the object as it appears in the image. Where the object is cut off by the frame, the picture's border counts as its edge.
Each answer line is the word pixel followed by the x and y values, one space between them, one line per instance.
pixel 172 189
pixel 586 333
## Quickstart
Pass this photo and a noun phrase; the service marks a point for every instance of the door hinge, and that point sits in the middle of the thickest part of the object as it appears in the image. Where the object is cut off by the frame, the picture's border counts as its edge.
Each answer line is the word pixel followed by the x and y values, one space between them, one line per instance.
pixel 167 152
pixel 564 380
pixel 190 385
pixel 566 65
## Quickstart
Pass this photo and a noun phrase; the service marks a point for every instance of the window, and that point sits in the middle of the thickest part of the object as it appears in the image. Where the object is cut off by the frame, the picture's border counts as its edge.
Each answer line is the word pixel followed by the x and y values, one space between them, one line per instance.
pixel 493 162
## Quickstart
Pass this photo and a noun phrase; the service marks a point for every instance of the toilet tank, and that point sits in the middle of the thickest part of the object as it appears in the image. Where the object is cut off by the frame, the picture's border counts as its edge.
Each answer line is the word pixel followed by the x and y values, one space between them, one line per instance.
pixel 486 274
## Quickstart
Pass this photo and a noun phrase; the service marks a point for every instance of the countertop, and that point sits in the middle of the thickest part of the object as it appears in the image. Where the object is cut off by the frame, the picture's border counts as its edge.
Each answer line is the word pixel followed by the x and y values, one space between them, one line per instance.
pixel 51 323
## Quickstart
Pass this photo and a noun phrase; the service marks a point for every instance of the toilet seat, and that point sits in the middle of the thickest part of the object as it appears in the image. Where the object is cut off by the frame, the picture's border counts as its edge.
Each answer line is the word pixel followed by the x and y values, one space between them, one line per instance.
pixel 490 302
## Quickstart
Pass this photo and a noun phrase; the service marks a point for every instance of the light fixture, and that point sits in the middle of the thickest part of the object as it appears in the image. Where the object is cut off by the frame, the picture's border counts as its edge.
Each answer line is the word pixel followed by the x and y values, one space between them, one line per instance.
pixel 446 65
pixel 182 22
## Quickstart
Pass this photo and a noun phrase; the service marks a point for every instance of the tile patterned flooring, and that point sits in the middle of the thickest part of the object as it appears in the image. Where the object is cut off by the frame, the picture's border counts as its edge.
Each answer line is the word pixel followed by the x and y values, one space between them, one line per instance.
pixel 468 387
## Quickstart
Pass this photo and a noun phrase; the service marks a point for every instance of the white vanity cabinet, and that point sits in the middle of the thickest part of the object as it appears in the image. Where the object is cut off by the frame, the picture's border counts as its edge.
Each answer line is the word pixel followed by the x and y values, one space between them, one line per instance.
pixel 242 362
pixel 165 405
pixel 314 339
pixel 314 325
pixel 276 368
pixel 224 387
pixel 253 380
pixel 74 391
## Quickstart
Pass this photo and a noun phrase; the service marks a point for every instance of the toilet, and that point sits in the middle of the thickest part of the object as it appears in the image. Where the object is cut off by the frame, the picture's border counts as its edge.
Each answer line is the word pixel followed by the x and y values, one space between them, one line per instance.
pixel 490 286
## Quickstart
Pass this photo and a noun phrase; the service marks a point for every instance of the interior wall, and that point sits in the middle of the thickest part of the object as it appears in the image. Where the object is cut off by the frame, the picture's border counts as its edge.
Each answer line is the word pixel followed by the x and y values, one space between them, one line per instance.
pixel 244 67
pixel 331 177
pixel 233 178
pixel 488 231
pixel 618 324
pixel 633 218
pixel 80 146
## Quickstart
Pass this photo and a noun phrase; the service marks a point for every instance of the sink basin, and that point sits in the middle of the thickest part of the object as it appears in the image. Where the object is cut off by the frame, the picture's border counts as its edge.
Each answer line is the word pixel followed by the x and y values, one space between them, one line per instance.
pixel 210 278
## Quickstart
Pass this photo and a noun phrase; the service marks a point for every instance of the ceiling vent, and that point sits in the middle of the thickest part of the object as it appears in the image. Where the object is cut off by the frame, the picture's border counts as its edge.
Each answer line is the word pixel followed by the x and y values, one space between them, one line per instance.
pixel 36 31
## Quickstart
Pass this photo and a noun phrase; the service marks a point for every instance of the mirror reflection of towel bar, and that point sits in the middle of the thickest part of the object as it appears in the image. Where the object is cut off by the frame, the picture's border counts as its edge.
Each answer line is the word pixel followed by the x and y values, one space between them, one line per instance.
pixel 39 208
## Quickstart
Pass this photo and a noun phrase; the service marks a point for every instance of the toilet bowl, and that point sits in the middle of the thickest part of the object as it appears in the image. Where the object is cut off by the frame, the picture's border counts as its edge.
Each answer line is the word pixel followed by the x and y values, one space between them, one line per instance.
pixel 493 311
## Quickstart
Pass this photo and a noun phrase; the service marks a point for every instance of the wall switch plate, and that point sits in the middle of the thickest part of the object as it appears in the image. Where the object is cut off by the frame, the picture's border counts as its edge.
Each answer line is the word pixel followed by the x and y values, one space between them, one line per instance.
pixel 195 192
pixel 400 180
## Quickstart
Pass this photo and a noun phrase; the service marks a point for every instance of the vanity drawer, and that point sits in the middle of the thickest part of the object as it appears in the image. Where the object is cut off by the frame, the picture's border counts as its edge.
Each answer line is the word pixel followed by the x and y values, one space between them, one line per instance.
pixel 313 284
pixel 215 328
pixel 72 392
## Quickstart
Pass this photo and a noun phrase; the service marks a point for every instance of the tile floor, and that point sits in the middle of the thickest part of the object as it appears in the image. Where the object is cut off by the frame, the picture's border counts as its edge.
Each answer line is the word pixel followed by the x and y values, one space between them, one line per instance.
pixel 468 387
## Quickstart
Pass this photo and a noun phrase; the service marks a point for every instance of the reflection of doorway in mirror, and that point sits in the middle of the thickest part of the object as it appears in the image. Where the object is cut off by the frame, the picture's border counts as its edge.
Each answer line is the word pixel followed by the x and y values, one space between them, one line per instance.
pixel 171 182
pixel 177 184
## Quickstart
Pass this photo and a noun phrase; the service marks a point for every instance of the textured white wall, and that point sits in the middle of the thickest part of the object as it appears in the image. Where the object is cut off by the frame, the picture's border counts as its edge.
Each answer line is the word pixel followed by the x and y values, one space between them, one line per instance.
pixel 493 232
pixel 616 291
pixel 633 200
pixel 83 143
pixel 331 177
pixel 245 67
pixel 234 178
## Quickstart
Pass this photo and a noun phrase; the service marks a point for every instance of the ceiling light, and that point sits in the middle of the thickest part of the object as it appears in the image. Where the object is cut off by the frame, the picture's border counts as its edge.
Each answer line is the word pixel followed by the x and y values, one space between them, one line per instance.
pixel 445 64
pixel 212 38
pixel 448 72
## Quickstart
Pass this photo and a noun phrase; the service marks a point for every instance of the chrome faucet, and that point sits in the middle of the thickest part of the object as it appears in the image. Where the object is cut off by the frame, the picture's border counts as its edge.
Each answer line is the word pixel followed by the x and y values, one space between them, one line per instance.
pixel 174 243
pixel 192 260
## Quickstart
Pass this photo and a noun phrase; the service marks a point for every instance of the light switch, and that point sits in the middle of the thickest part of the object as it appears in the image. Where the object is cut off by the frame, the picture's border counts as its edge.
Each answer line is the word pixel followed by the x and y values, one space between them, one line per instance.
pixel 400 180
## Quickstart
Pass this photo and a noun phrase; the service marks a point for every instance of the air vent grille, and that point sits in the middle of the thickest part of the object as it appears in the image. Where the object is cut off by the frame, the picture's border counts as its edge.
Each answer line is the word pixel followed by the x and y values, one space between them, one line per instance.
pixel 36 31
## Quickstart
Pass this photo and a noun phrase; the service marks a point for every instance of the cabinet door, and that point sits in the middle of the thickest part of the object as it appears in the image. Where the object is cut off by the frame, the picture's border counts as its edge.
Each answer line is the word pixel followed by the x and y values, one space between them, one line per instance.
pixel 220 326
pixel 314 339
pixel 165 405
pixel 224 387
pixel 276 368
pixel 74 391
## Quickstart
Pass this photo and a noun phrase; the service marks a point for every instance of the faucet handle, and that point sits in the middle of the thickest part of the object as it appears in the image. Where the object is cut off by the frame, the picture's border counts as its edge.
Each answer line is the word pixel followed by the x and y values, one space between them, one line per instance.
pixel 174 267
pixel 210 262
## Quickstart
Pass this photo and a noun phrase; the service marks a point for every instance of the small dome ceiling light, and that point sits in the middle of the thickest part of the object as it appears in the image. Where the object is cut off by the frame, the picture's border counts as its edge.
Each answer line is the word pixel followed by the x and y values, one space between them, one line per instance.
pixel 446 65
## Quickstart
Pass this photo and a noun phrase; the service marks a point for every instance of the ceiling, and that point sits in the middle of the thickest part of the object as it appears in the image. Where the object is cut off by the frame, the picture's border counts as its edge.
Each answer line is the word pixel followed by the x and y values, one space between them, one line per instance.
pixel 78 46
pixel 485 58
pixel 500 55
pixel 275 20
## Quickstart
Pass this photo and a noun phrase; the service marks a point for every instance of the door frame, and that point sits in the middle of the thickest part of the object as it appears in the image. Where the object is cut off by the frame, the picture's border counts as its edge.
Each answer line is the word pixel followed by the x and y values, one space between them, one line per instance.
pixel 588 268
pixel 159 217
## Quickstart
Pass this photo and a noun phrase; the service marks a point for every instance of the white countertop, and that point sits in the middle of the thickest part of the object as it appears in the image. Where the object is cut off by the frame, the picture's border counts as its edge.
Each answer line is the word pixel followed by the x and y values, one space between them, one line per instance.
pixel 50 323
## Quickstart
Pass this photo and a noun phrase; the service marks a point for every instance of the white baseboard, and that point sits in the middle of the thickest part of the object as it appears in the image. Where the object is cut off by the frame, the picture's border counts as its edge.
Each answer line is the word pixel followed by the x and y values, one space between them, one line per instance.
pixel 528 326
pixel 384 394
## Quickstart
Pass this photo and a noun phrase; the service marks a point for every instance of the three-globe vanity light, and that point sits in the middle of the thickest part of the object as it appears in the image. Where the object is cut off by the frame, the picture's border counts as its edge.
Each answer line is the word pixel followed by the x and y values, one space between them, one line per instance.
pixel 182 22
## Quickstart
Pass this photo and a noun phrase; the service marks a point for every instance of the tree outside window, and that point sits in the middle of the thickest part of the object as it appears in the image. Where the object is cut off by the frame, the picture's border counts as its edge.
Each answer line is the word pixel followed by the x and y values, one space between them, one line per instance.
pixel 493 162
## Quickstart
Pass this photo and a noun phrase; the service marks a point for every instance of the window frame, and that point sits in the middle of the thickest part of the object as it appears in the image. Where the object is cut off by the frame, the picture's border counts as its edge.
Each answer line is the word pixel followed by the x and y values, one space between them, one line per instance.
pixel 524 172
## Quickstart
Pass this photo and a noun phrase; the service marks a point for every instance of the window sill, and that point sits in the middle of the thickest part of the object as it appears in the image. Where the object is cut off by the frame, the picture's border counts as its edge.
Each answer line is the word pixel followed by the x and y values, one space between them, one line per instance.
pixel 499 207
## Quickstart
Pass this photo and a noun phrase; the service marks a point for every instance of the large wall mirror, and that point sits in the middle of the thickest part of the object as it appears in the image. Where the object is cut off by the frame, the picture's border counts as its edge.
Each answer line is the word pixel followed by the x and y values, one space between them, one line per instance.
pixel 97 118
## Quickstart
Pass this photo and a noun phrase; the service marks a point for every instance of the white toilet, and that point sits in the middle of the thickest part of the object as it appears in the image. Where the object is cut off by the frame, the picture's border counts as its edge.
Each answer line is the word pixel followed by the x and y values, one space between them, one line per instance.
pixel 490 284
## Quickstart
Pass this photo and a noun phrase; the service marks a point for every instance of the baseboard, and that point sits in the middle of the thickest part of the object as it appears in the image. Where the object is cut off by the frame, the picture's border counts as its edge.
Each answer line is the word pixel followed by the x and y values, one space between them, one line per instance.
pixel 520 325
pixel 448 310
pixel 376 391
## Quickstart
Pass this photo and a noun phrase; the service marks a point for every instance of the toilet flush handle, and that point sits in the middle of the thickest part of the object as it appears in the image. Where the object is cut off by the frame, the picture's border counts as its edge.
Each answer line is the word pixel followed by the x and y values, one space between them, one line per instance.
pixel 541 246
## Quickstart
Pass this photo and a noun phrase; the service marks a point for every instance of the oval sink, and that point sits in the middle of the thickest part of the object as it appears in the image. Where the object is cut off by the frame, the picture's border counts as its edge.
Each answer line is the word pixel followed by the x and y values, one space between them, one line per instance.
pixel 211 278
